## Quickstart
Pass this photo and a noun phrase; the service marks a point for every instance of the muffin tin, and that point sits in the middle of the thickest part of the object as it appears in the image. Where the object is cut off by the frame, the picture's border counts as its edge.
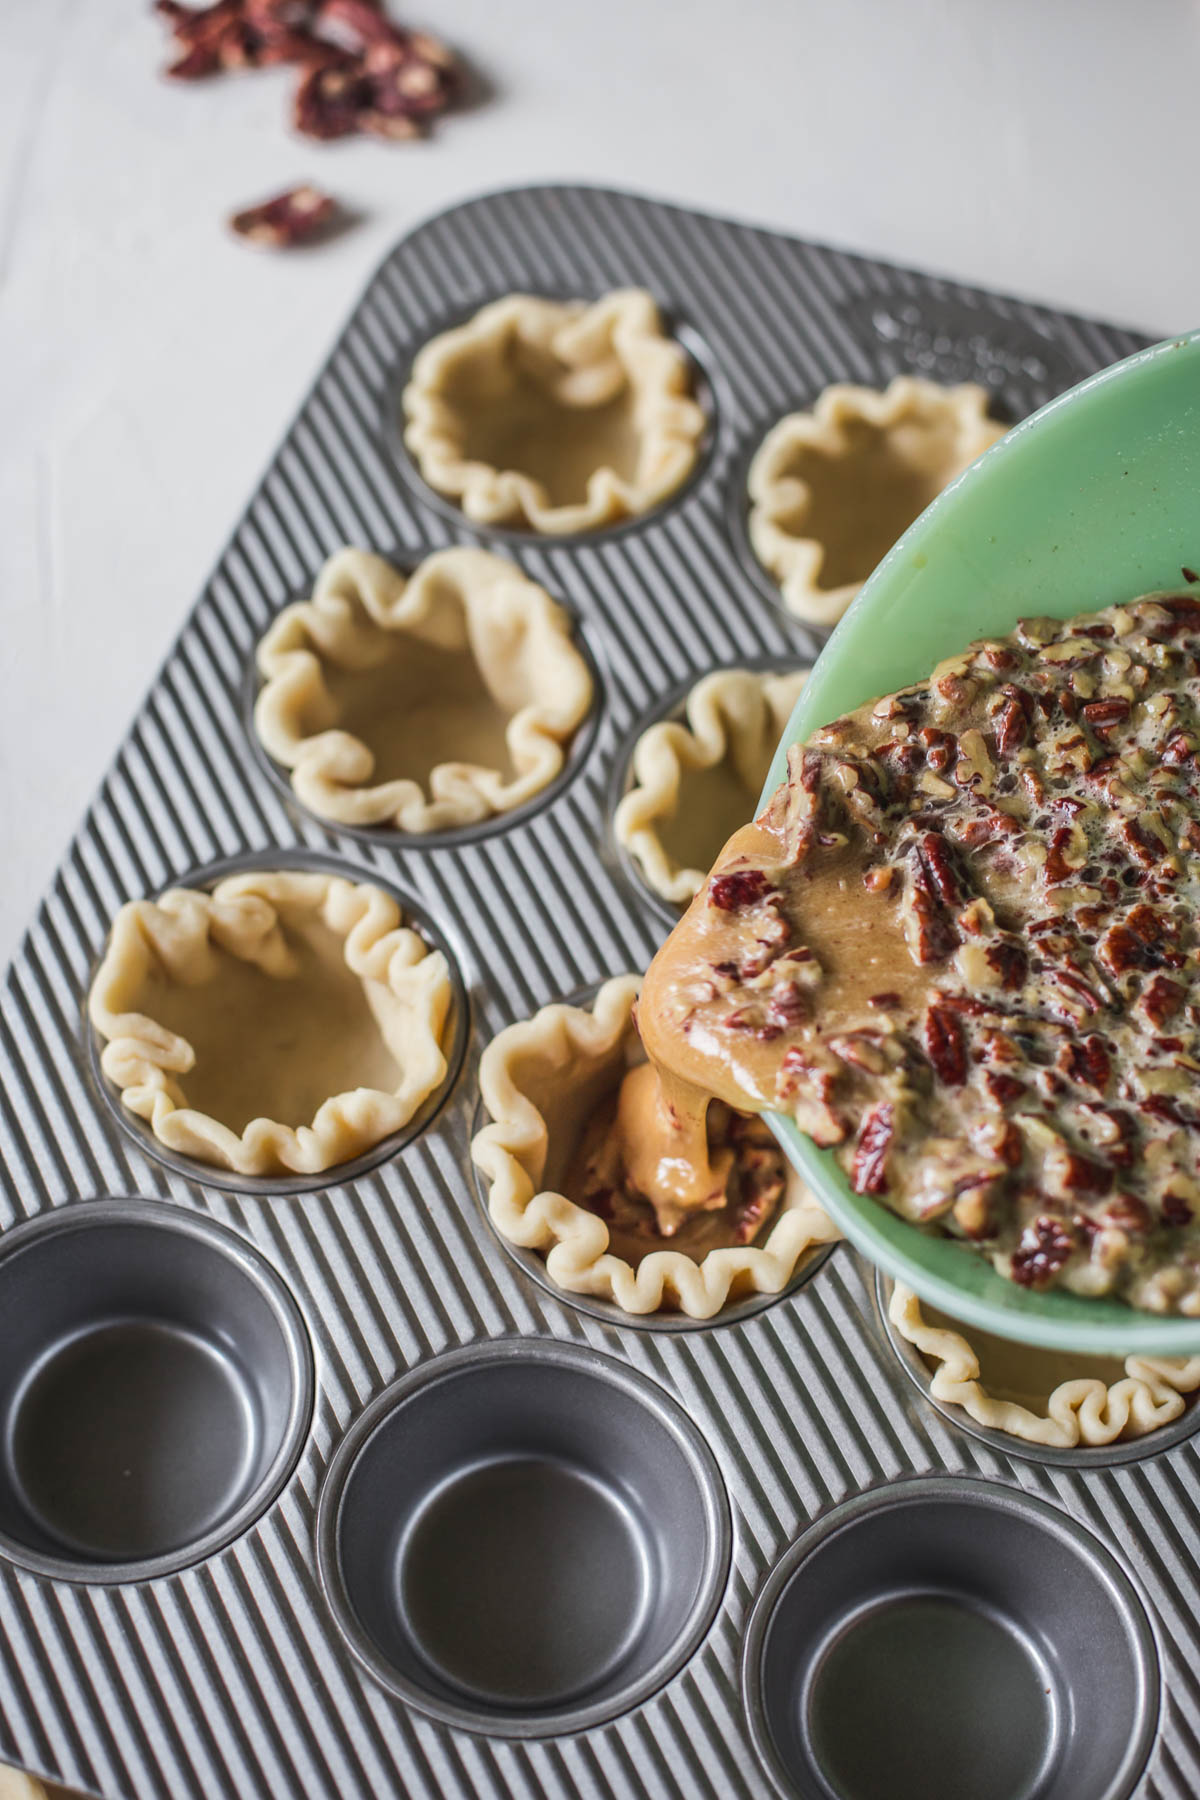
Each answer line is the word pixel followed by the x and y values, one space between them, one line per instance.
pixel 372 1403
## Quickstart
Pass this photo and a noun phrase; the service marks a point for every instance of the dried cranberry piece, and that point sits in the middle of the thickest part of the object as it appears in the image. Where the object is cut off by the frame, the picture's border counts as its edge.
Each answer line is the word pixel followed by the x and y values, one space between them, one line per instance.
pixel 737 889
pixel 1046 1245
pixel 869 1171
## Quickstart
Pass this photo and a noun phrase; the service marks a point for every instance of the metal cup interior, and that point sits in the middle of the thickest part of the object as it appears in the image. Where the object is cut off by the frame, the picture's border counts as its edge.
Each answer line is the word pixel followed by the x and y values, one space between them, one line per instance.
pixel 949 1637
pixel 524 1538
pixel 155 1388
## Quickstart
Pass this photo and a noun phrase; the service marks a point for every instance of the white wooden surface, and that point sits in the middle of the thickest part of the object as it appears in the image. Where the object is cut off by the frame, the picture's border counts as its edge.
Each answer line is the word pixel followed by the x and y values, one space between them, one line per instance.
pixel 148 361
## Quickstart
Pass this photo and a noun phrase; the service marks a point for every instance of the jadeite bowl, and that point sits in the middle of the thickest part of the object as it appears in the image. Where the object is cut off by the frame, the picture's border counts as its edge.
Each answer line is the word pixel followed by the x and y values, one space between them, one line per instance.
pixel 1093 500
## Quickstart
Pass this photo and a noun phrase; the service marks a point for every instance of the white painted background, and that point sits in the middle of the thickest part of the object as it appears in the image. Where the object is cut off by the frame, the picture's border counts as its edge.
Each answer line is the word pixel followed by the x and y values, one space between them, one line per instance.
pixel 148 362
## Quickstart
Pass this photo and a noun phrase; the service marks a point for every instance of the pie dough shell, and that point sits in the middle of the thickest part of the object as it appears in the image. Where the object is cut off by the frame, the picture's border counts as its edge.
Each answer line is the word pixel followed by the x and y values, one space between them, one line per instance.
pixel 733 719
pixel 935 431
pixel 462 601
pixel 541 1081
pixel 251 917
pixel 1084 1412
pixel 582 356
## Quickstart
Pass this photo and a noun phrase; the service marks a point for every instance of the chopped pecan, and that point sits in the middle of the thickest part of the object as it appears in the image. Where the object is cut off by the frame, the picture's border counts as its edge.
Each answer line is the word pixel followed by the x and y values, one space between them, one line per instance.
pixel 945 1045
pixel 290 218
pixel 1045 1246
pixel 934 872
pixel 1086 1061
pixel 1103 715
pixel 1160 998
pixel 1012 727
pixel 869 1169
pixel 1125 1212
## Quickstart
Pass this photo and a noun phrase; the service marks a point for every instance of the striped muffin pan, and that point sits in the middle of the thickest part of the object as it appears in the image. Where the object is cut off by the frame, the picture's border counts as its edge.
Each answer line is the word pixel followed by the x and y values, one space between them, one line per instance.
pixel 311 1490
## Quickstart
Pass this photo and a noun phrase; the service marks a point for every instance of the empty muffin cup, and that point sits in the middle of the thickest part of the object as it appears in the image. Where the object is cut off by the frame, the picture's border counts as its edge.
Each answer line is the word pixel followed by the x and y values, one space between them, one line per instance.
pixel 155 1389
pixel 946 1637
pixel 524 1539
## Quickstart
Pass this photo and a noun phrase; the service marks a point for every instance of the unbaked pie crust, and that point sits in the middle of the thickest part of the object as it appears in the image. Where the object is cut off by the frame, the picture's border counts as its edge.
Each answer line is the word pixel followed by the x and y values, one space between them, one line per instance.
pixel 1064 1411
pixel 554 415
pixel 425 702
pixel 284 1021
pixel 541 1080
pixel 697 779
pixel 831 490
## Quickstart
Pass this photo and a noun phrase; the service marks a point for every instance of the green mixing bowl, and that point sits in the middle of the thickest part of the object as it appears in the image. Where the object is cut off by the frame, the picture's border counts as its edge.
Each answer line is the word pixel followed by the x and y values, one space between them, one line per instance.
pixel 1093 500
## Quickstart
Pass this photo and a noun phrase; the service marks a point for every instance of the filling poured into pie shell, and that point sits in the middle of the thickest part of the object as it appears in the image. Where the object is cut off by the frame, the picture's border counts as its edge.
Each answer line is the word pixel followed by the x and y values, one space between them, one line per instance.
pixel 284 1021
pixel 959 947
pixel 425 702
pixel 696 778
pixel 831 490
pixel 567 1094
pixel 555 415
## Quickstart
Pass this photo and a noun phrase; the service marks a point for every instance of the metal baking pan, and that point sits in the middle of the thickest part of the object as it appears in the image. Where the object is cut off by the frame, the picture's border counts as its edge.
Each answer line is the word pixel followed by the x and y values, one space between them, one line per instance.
pixel 397 1403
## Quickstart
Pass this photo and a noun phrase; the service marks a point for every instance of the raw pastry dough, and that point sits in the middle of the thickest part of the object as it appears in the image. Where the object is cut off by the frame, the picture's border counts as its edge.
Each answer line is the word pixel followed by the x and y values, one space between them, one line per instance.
pixel 541 1081
pixel 284 1021
pixel 831 490
pixel 425 702
pixel 696 780
pixel 1030 1393
pixel 556 415
pixel 16 1785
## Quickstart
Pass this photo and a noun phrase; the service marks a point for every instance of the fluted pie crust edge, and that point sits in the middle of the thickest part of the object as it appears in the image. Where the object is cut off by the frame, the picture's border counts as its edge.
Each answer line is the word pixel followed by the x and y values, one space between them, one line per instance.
pixel 541 1078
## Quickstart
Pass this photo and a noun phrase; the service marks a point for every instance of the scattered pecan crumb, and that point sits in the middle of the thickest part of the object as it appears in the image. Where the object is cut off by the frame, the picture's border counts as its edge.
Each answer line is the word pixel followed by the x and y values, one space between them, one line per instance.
pixel 359 71
pixel 294 217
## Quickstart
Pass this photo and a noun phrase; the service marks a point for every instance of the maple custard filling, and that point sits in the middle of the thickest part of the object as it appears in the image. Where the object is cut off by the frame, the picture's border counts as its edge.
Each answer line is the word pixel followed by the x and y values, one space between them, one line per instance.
pixel 959 947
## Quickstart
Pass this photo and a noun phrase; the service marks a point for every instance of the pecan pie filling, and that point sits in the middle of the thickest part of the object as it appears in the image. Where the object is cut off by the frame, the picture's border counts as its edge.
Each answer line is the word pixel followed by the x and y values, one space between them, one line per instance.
pixel 959 946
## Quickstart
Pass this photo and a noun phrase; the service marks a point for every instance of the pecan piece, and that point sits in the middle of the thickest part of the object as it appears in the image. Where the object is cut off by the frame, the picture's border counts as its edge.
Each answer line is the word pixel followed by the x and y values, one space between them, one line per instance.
pixel 869 1171
pixel 1175 1210
pixel 934 874
pixel 1012 727
pixel 1160 998
pixel 290 218
pixel 1010 961
pixel 1103 715
pixel 1086 1061
pixel 1046 1245
pixel 945 1045
pixel 1005 1090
